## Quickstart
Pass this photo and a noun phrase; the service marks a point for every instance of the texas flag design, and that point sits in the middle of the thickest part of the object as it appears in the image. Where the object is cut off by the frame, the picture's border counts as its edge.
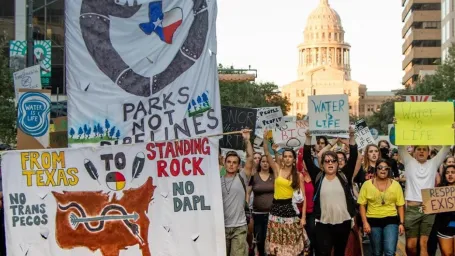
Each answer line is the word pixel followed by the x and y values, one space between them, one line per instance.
pixel 163 24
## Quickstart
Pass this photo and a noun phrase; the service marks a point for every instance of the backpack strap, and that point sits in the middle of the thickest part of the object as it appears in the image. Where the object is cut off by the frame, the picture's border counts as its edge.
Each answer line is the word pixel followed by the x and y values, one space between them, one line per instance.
pixel 243 182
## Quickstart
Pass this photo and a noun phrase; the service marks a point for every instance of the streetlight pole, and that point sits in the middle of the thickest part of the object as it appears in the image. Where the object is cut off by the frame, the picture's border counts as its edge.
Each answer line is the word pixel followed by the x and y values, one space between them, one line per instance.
pixel 30 50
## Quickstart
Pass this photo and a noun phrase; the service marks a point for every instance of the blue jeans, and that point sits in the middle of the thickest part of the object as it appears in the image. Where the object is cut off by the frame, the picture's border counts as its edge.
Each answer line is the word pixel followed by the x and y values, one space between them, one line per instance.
pixel 384 240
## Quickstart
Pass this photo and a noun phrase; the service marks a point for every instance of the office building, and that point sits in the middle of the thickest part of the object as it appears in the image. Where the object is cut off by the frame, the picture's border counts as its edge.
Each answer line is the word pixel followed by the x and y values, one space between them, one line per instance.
pixel 422 38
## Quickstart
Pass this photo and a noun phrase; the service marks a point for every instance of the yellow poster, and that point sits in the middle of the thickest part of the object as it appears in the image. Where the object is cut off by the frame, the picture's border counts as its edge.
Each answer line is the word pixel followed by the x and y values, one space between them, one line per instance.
pixel 424 123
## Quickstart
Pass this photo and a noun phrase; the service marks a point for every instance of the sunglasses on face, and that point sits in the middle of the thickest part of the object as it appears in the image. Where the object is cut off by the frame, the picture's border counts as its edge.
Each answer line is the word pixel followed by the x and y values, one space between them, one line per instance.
pixel 327 161
pixel 383 168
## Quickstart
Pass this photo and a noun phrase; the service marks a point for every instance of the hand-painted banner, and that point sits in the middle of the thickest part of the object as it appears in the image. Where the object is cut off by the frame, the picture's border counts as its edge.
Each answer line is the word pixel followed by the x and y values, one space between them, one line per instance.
pixel 141 72
pixel 33 118
pixel 363 136
pixel 236 119
pixel 329 114
pixel 160 198
pixel 424 123
pixel 270 118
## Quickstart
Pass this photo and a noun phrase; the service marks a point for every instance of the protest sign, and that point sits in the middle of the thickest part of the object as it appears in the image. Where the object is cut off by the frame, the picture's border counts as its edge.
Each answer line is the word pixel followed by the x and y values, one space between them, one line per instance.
pixel 439 199
pixel 236 119
pixel 292 136
pixel 269 118
pixel 329 114
pixel 419 98
pixel 424 123
pixel 391 133
pixel 363 136
pixel 33 118
pixel 27 78
pixel 288 119
pixel 130 82
pixel 143 199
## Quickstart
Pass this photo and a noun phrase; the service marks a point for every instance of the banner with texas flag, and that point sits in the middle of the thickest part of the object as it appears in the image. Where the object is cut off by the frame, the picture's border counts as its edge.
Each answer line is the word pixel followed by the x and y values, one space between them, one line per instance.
pixel 141 70
pixel 160 198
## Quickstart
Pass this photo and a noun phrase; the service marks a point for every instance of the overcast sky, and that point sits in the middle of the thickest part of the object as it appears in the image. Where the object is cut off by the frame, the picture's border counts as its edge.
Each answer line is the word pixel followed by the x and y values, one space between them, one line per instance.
pixel 265 35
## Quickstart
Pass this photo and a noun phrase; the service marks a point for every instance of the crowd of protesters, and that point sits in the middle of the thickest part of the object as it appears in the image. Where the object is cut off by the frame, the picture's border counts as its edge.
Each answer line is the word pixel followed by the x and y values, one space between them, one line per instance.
pixel 351 196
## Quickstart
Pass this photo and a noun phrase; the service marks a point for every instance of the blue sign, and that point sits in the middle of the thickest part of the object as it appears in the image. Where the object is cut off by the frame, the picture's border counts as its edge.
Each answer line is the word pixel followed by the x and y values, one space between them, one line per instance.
pixel 33 113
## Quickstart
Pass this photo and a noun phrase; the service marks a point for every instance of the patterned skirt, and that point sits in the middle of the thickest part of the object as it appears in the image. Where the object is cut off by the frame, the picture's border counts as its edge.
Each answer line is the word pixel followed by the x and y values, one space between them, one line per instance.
pixel 284 233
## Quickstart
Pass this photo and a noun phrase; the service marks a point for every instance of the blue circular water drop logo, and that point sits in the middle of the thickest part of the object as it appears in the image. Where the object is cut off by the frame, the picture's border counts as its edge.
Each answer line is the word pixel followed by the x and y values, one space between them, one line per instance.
pixel 33 113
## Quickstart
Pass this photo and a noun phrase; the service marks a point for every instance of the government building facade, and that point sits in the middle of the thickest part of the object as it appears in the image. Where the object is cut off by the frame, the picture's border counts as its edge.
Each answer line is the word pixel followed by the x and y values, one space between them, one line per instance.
pixel 324 67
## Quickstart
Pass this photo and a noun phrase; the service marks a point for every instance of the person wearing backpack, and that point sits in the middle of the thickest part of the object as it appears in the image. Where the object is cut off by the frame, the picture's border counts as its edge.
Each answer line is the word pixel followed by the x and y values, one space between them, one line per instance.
pixel 334 205
pixel 233 188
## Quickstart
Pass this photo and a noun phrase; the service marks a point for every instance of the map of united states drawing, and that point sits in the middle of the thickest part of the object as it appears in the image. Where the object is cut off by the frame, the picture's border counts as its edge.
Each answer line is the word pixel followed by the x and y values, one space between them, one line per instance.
pixel 91 220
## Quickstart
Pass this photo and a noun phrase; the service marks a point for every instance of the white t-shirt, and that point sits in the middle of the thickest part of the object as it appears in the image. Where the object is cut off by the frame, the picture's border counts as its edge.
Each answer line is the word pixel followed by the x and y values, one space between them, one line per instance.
pixel 420 176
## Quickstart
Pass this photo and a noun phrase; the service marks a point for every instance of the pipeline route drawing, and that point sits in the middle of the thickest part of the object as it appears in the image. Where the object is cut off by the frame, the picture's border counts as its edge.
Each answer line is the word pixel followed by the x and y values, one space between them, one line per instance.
pixel 124 216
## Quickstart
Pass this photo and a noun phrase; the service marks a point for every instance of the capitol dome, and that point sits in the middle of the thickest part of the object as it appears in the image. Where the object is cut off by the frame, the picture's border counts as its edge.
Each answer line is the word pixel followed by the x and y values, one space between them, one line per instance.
pixel 324 17
pixel 323 44
pixel 324 24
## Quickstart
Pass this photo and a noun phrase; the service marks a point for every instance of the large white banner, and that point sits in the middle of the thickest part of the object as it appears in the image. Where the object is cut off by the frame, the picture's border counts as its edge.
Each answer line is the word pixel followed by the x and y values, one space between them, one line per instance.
pixel 329 114
pixel 160 198
pixel 141 72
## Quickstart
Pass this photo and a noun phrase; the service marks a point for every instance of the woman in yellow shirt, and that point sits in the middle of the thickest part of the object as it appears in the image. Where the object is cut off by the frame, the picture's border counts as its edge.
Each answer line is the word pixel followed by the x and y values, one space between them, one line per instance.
pixel 284 229
pixel 384 219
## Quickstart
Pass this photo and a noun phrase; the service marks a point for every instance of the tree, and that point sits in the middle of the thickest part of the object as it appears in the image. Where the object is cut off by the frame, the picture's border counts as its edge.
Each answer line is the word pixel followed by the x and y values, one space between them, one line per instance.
pixel 107 125
pixel 252 95
pixel 441 85
pixel 80 132
pixel 72 132
pixel 112 132
pixel 7 105
pixel 117 134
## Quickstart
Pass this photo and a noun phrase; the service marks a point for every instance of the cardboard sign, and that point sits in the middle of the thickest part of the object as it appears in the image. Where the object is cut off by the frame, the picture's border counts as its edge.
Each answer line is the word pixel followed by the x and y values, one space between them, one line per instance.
pixel 440 199
pixel 236 119
pixel 424 123
pixel 270 118
pixel 292 135
pixel 329 114
pixel 363 136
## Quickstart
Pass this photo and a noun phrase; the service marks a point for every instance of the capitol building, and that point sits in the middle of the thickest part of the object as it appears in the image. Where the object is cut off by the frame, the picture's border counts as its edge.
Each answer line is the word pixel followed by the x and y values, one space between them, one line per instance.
pixel 324 67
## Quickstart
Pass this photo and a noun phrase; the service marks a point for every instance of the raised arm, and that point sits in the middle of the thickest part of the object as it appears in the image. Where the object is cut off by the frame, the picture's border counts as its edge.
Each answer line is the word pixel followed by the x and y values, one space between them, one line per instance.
pixel 275 167
pixel 278 156
pixel 249 153
pixel 312 169
pixel 442 154
pixel 328 147
pixel 358 165
pixel 349 168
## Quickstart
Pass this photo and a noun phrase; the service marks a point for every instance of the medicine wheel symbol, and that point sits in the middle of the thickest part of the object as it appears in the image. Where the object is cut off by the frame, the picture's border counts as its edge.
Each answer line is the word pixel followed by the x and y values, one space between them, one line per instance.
pixel 115 181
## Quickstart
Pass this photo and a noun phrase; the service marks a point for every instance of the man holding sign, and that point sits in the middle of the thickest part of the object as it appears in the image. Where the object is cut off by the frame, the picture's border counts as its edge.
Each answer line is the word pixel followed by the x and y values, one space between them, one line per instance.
pixel 420 174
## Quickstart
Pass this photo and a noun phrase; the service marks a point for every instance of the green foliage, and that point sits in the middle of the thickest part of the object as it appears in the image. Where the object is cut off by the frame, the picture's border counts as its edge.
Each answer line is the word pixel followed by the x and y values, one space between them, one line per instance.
pixel 252 95
pixel 8 114
pixel 440 85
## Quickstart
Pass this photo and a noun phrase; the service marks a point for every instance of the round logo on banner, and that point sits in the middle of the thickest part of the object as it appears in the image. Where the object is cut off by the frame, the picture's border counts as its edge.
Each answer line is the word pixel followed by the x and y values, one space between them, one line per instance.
pixel 115 181
pixel 33 113
pixel 157 23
